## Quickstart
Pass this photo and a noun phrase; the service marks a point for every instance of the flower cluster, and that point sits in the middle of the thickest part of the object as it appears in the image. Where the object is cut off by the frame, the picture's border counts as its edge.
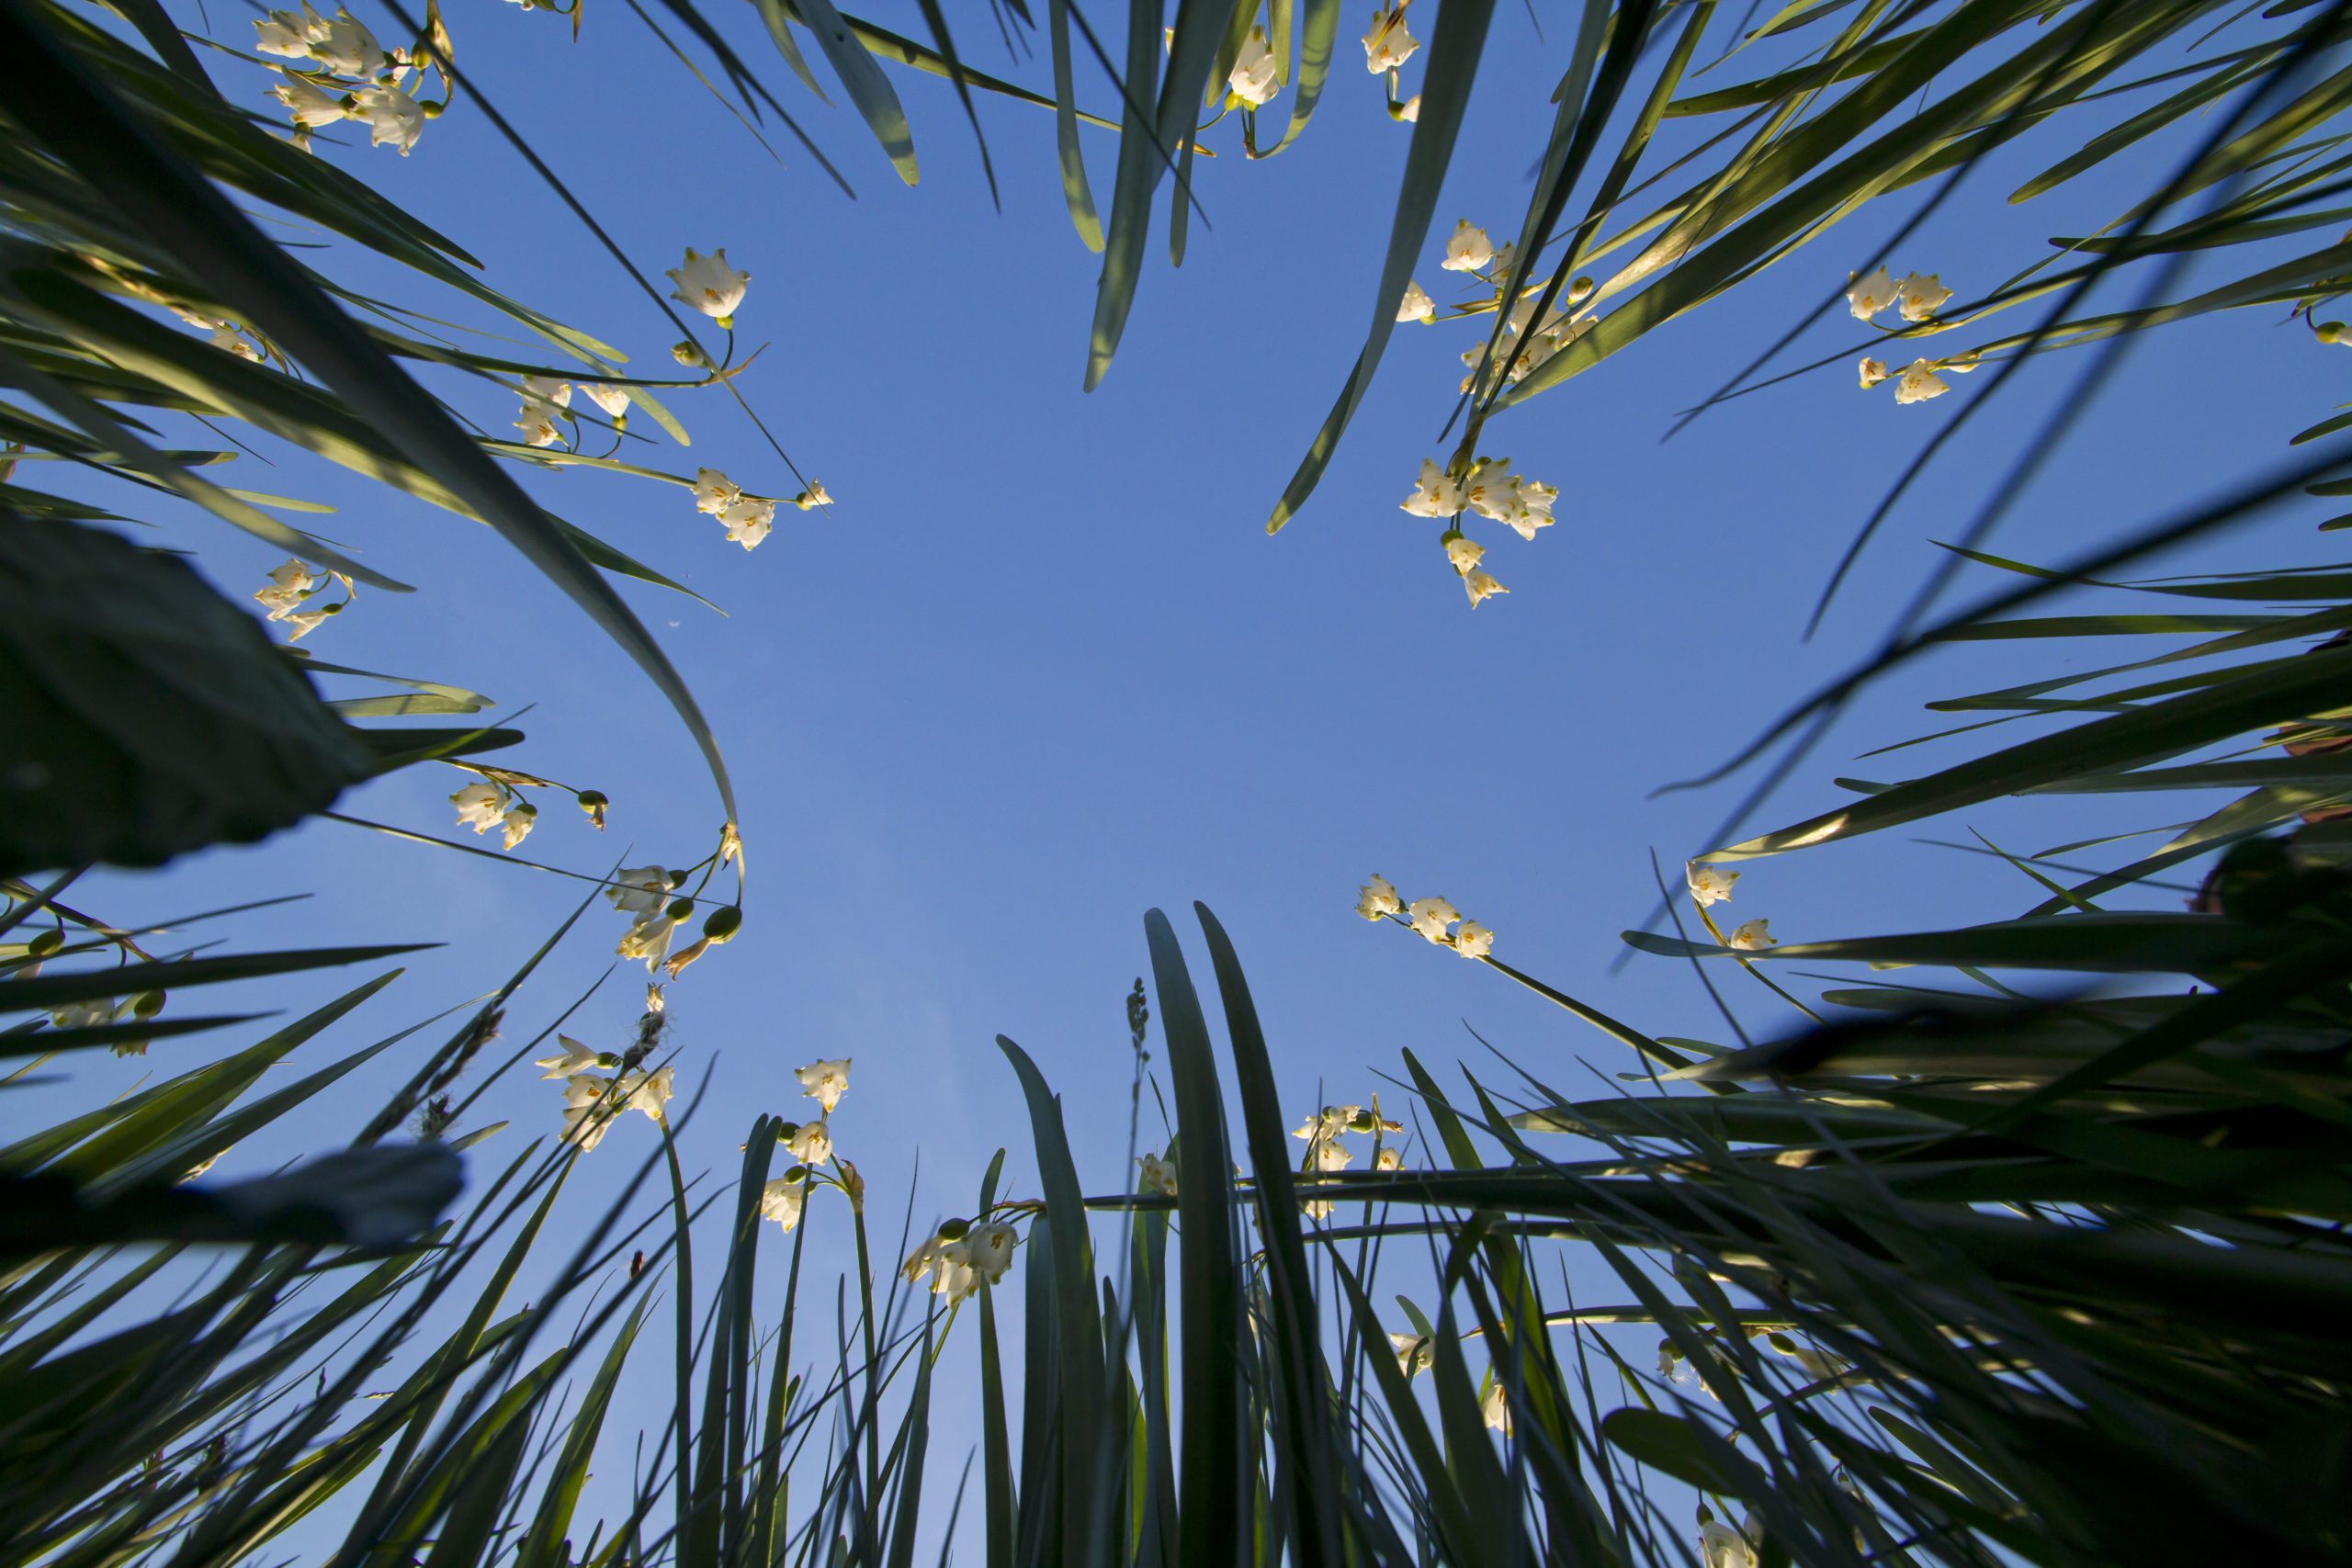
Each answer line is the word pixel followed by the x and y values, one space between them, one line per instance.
pixel 1916 296
pixel 747 518
pixel 1159 1173
pixel 337 71
pixel 493 802
pixel 1257 73
pixel 1377 900
pixel 1325 1153
pixel 1388 45
pixel 293 585
pixel 961 1256
pixel 810 1143
pixel 1488 487
pixel 592 1102
pixel 1710 886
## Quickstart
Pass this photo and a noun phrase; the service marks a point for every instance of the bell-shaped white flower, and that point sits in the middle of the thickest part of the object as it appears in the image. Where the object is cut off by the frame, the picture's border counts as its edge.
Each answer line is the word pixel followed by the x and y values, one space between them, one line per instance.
pixel 309 108
pixel 715 492
pixel 987 1249
pixel 1435 494
pixel 783 1200
pixel 1386 43
pixel 547 389
pixel 1431 916
pixel 286 34
pixel 539 422
pixel 1409 111
pixel 1873 371
pixel 648 937
pixel 1708 884
pixel 1462 553
pixel 83 1015
pixel 709 284
pixel 1331 1154
pixel 288 584
pixel 614 401
pixel 1474 940
pixel 1256 75
pixel 346 47
pixel 1468 250
pixel 1720 1546
pixel 1868 296
pixel 1329 1122
pixel 1920 382
pixel 1389 1158
pixel 1482 586
pixel 1159 1174
pixel 575 1058
pixel 1919 295
pixel 811 1143
pixel 303 625
pixel 1414 1352
pixel 923 1259
pixel 748 521
pixel 395 119
pixel 1750 937
pixel 649 1092
pixel 813 497
pixel 1417 306
pixel 479 806
pixel 227 337
pixel 824 1082
pixel 1495 1409
pixel 639 890
pixel 1377 900
pixel 520 818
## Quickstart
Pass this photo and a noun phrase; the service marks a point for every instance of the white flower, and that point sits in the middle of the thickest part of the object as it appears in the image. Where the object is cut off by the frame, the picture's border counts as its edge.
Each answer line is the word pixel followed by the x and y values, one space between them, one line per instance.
pixel 639 890
pixel 648 1092
pixel 1159 1174
pixel 1330 1121
pixel 1435 494
pixel 956 1278
pixel 783 1200
pixel 1668 1358
pixel 1330 1154
pixel 824 1082
pixel 345 47
pixel 1462 553
pixel 748 521
pixel 714 491
pixel 575 1058
pixel 287 33
pixel 226 336
pixel 304 625
pixel 1474 940
pixel 988 1249
pixel 1256 72
pixel 814 496
pixel 1709 884
pixel 614 401
pixel 536 421
pixel 1819 1364
pixel 83 1015
pixel 520 818
pixel 1386 44
pixel 1495 1408
pixel 393 117
pixel 709 284
pixel 1873 372
pixel 1377 900
pixel 1920 382
pixel 1468 250
pixel 479 807
pixel 1409 111
pixel 923 1259
pixel 811 1143
pixel 1720 1546
pixel 586 1115
pixel 1417 306
pixel 1919 298
pixel 1750 937
pixel 308 105
pixel 1431 916
pixel 648 937
pixel 1868 296
pixel 547 389
pixel 287 583
pixel 1389 1158
pixel 1482 586
pixel 1414 1352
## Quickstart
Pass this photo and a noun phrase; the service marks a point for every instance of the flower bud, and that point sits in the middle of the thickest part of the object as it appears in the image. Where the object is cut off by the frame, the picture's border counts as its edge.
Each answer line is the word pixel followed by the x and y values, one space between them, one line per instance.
pixel 593 803
pixel 1362 1122
pixel 687 355
pixel 954 1230
pixel 432 110
pixel 45 944
pixel 681 909
pixel 723 923
pixel 787 1131
pixel 677 877
pixel 2331 332
pixel 147 1004
pixel 1579 290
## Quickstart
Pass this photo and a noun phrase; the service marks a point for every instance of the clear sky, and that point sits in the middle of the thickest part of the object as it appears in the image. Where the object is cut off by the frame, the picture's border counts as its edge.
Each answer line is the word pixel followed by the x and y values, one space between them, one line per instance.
pixel 1041 669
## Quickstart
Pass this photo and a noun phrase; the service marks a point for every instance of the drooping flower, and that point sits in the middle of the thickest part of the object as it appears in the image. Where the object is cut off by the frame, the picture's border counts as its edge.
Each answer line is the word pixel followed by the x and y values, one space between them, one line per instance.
pixel 287 33
pixel 1720 1546
pixel 1919 297
pixel 748 521
pixel 824 1082
pixel 344 46
pixel 587 1116
pixel 1463 552
pixel 1873 372
pixel 1436 494
pixel 614 401
pixel 393 117
pixel 226 336
pixel 1708 884
pixel 715 492
pixel 1920 382
pixel 547 389
pixel 573 1059
pixel 1868 296
pixel 1474 940
pixel 1414 1352
pixel 1159 1174
pixel 783 1200
pixel 709 284
pixel 1409 111
pixel 479 806
pixel 1330 1154
pixel 1495 1408
pixel 83 1015
pixel 308 106
pixel 1329 1123
pixel 1417 305
pixel 639 890
pixel 1431 916
pixel 1389 1158
pixel 1468 250
pixel 814 496
pixel 1750 937
pixel 648 937
pixel 538 422
pixel 811 1143
pixel 310 621
pixel 1820 1365
pixel 1386 43
pixel 923 1259
pixel 649 1092
pixel 287 583
pixel 988 1249
pixel 1377 900
pixel 520 818
pixel 1482 586
pixel 1254 78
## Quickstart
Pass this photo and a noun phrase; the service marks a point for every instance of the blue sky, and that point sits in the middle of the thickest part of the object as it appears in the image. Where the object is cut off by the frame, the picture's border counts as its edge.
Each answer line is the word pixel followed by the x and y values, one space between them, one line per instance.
pixel 1041 669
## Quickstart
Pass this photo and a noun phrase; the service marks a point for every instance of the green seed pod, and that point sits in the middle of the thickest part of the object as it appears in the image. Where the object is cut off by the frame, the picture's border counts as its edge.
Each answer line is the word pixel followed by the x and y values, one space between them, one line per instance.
pixel 147 1004
pixel 683 909
pixel 2331 332
pixel 1780 1342
pixel 787 1131
pixel 723 923
pixel 45 944
pixel 954 1230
